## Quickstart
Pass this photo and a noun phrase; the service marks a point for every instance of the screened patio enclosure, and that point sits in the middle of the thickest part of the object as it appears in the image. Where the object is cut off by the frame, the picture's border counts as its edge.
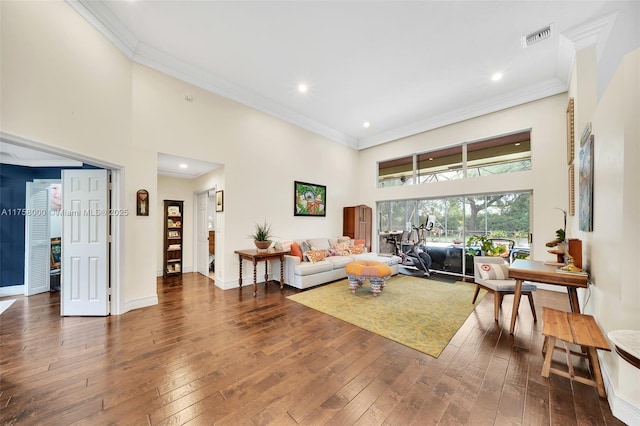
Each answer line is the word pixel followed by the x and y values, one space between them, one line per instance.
pixel 504 216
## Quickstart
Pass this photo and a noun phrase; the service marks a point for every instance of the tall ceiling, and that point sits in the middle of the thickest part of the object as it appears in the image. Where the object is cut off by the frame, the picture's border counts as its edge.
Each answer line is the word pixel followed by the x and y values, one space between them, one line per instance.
pixel 404 67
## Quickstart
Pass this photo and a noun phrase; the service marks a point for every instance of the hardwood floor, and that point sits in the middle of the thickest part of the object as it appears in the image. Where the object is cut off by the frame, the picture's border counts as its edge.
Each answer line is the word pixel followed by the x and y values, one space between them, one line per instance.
pixel 206 356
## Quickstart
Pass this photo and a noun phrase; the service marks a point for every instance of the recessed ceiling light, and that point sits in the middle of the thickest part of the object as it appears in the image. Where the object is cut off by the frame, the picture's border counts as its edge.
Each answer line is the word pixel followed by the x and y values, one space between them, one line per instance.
pixel 366 124
pixel 183 166
pixel 302 88
pixel 497 76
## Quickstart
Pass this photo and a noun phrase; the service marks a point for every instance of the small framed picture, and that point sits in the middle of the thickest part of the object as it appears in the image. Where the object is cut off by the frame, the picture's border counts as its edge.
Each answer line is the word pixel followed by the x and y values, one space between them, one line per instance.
pixel 173 211
pixel 56 253
pixel 142 203
pixel 219 201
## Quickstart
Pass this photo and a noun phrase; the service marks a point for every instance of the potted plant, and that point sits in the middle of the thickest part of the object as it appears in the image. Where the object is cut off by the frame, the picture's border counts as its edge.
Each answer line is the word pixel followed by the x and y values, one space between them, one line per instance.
pixel 262 235
pixel 486 246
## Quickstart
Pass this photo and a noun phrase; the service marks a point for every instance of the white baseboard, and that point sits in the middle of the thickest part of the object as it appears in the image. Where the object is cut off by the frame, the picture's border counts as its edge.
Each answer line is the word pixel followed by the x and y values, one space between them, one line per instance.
pixel 623 409
pixel 12 290
pixel 142 302
pixel 227 285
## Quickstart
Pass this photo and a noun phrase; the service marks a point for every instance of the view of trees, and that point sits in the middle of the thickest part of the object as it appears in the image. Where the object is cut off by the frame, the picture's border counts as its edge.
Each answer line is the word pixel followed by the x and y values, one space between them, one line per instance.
pixel 457 218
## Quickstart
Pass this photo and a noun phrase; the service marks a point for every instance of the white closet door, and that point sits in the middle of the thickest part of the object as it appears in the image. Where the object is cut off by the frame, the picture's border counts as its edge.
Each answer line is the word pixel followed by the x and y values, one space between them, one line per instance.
pixel 37 239
pixel 203 234
pixel 85 262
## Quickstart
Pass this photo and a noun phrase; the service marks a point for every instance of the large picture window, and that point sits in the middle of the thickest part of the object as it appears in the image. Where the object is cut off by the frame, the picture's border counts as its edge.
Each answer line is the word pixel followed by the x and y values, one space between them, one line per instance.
pixel 496 155
pixel 500 216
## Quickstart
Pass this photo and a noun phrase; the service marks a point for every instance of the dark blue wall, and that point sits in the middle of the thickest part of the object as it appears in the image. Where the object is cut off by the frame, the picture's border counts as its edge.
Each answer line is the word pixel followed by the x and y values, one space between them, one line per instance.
pixel 13 181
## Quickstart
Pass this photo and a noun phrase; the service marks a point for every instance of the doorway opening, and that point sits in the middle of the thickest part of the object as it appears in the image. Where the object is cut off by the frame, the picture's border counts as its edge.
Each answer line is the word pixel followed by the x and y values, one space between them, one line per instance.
pixel 19 149
pixel 206 232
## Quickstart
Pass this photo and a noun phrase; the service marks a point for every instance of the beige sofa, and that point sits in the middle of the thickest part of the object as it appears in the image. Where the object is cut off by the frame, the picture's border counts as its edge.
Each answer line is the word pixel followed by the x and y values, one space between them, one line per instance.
pixel 304 274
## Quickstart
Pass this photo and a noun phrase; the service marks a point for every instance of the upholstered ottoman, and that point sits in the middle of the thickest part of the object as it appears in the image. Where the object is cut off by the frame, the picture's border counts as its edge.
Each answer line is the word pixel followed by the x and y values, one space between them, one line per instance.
pixel 361 270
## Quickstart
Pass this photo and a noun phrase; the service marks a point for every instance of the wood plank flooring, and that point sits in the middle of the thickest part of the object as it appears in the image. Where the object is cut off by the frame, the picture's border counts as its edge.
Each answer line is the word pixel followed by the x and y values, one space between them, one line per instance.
pixel 204 356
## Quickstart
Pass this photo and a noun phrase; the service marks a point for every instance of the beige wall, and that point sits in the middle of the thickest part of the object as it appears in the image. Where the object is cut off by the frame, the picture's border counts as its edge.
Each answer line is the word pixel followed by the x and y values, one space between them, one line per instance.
pixel 613 248
pixel 262 157
pixel 75 92
pixel 547 178
pixel 612 251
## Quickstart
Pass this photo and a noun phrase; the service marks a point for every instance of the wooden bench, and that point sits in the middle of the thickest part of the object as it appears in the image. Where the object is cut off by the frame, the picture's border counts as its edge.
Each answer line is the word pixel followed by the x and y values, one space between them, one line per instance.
pixel 578 329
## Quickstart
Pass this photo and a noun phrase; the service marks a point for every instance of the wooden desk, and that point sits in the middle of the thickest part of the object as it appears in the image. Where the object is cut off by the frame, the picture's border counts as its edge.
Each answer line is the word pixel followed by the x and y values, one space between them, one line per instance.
pixel 537 271
pixel 256 256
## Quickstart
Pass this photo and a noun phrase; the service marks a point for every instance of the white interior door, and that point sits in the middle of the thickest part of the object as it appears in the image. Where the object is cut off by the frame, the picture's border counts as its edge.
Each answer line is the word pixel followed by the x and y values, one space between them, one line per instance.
pixel 203 234
pixel 85 243
pixel 37 239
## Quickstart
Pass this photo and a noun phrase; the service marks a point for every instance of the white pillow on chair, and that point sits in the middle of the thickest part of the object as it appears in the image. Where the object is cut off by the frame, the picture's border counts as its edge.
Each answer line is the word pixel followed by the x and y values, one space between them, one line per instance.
pixel 494 271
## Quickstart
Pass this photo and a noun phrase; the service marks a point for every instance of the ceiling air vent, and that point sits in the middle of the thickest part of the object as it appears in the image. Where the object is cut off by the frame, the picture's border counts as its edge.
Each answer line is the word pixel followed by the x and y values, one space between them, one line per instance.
pixel 537 36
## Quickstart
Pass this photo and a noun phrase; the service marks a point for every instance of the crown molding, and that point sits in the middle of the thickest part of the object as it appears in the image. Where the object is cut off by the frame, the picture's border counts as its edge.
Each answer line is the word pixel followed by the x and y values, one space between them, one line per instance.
pixel 97 14
pixel 528 94
pixel 594 32
pixel 160 61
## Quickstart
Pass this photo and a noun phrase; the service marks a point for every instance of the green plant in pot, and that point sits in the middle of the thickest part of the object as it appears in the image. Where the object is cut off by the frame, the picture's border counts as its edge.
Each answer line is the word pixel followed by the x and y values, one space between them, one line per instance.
pixel 262 235
pixel 482 241
pixel 487 248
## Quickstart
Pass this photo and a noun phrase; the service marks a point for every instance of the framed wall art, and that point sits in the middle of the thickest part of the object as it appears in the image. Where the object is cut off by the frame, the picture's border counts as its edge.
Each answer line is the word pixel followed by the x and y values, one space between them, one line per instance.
pixel 309 199
pixel 219 201
pixel 585 134
pixel 585 185
pixel 142 202
pixel 572 191
pixel 570 132
pixel 56 253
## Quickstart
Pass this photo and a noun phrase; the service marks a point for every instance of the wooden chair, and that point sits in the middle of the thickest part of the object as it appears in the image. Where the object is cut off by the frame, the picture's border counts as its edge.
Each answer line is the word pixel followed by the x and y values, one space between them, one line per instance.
pixel 500 285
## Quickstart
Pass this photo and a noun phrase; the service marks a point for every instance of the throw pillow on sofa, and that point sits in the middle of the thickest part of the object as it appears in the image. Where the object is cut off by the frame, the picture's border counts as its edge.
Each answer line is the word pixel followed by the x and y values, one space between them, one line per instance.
pixel 356 249
pixel 342 249
pixel 283 245
pixel 314 256
pixel 296 250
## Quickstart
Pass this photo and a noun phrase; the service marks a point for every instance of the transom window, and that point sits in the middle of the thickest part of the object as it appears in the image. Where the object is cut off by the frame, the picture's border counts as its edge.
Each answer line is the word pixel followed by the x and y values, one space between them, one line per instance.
pixel 501 154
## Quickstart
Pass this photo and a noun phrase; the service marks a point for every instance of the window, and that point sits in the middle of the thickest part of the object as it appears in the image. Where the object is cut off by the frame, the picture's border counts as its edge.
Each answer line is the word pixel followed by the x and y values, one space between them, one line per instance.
pixel 441 165
pixel 506 154
pixel 501 154
pixel 455 219
pixel 395 172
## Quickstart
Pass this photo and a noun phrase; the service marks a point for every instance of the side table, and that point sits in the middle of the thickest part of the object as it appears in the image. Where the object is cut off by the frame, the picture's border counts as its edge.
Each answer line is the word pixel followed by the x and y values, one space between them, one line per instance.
pixel 255 256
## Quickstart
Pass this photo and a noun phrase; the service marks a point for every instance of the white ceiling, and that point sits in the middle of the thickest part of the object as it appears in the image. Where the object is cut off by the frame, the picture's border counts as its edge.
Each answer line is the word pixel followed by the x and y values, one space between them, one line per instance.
pixel 182 167
pixel 406 67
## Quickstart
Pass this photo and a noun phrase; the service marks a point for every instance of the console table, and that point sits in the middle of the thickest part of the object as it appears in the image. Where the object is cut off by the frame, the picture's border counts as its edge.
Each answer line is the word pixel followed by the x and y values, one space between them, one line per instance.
pixel 537 271
pixel 255 256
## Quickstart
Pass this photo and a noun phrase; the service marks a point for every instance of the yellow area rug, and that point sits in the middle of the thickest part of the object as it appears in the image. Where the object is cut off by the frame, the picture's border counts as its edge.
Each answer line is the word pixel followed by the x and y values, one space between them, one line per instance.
pixel 416 312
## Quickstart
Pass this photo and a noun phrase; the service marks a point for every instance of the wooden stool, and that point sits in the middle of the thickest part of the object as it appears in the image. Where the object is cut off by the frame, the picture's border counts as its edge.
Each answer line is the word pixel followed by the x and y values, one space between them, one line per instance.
pixel 578 329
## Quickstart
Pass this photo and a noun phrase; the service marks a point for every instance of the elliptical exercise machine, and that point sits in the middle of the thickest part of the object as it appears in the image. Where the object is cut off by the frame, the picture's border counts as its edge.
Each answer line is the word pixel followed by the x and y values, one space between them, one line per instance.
pixel 416 261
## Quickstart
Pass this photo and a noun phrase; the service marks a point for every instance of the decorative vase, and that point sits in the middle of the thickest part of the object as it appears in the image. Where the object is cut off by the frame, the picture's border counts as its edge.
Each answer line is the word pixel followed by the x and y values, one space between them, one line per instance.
pixel 262 245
